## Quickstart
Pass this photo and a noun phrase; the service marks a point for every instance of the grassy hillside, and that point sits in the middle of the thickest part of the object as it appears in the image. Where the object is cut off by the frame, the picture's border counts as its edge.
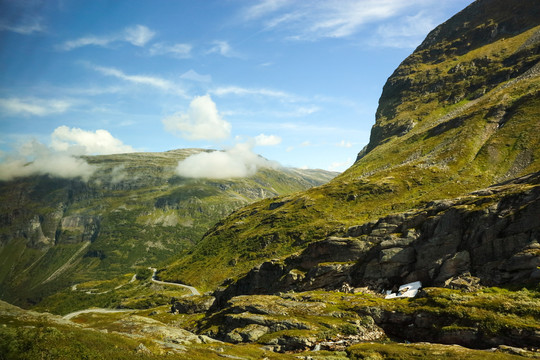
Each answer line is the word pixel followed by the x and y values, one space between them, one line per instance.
pixel 134 212
pixel 460 114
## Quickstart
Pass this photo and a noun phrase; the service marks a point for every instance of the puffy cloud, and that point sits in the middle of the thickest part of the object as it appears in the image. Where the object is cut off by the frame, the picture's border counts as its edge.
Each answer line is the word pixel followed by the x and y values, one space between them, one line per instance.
pixel 80 141
pixel 180 51
pixel 62 159
pixel 33 106
pixel 267 140
pixel 240 161
pixel 37 159
pixel 201 122
pixel 138 35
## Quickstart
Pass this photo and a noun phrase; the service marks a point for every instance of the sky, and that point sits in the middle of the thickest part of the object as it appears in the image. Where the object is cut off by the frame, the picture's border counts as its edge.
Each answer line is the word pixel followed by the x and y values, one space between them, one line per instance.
pixel 295 81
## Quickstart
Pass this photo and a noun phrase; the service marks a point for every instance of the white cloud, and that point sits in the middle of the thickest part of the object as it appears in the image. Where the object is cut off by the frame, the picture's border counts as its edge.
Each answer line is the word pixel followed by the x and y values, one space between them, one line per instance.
pixel 195 76
pixel 340 166
pixel 240 161
pixel 201 122
pixel 345 144
pixel 406 32
pixel 317 19
pixel 74 140
pixel 28 27
pixel 222 48
pixel 263 7
pixel 152 81
pixel 33 106
pixel 61 159
pixel 85 41
pixel 37 159
pixel 56 165
pixel 301 111
pixel 267 140
pixel 240 91
pixel 138 35
pixel 180 51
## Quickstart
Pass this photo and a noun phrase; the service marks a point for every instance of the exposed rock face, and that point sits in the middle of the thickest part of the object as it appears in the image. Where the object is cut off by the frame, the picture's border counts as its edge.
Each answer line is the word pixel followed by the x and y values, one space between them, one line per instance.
pixel 78 228
pixel 192 305
pixel 491 234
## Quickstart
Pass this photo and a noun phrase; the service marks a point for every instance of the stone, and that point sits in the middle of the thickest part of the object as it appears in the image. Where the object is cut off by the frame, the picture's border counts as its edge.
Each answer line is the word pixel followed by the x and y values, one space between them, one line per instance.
pixel 454 266
pixel 253 332
pixel 397 255
pixel 143 349
pixel 192 304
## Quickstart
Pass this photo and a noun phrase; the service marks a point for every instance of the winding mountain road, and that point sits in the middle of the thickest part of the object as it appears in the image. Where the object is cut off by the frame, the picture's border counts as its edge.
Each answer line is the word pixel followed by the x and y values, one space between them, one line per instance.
pixel 69 316
pixel 193 290
pixel 95 310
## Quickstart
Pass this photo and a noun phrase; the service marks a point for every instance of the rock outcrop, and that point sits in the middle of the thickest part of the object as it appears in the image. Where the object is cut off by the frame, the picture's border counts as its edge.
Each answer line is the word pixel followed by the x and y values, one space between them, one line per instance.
pixel 492 234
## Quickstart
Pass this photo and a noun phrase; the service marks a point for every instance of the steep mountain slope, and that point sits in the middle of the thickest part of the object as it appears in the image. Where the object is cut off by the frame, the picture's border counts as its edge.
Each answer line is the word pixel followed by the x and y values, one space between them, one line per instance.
pixel 458 115
pixel 134 212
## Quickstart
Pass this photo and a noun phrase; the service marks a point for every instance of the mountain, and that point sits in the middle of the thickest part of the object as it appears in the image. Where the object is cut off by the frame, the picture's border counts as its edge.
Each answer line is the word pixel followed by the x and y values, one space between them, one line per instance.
pixel 458 115
pixel 134 212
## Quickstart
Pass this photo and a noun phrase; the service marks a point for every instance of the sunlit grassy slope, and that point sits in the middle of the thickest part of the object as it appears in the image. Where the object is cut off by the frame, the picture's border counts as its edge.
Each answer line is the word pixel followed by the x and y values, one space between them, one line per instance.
pixel 461 113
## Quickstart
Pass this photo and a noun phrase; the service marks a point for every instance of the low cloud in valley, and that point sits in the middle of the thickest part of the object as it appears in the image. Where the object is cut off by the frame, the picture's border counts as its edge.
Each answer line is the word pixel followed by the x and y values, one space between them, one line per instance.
pixel 239 161
pixel 63 157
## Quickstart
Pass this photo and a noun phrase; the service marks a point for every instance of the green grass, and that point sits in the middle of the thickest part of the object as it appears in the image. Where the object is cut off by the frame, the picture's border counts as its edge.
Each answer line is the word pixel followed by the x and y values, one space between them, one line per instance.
pixel 115 293
pixel 393 351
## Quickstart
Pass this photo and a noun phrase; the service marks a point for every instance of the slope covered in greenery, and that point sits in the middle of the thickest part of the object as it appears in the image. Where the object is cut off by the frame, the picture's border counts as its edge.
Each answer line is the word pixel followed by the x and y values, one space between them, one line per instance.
pixel 134 212
pixel 459 114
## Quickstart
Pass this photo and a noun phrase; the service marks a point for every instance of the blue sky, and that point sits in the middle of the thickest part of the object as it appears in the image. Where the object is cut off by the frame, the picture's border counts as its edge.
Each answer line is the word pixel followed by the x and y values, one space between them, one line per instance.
pixel 296 81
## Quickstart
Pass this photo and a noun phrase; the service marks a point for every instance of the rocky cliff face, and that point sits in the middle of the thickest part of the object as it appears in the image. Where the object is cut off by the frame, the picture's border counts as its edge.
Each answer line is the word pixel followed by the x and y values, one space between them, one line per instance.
pixel 133 212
